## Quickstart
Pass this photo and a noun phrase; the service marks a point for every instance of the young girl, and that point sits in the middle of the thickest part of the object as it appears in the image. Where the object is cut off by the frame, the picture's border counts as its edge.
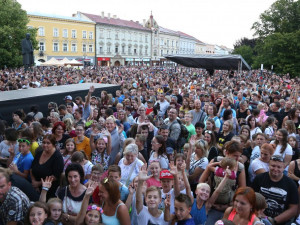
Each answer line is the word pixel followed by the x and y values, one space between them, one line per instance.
pixel 294 144
pixel 55 210
pixel 179 159
pixel 269 126
pixel 101 149
pixel 97 174
pixel 68 151
pixel 89 214
pixel 290 127
pixel 154 169
pixel 38 214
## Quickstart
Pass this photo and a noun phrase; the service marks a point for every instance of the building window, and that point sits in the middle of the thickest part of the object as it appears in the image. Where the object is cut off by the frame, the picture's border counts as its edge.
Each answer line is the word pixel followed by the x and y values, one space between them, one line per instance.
pixel 161 41
pixel 146 38
pixel 74 33
pixel 84 34
pixel 101 49
pixel 83 47
pixel 155 52
pixel 108 49
pixel 74 48
pixel 108 34
pixel 141 38
pixel 42 46
pixel 65 33
pixel 134 51
pixel 55 47
pixel 55 32
pixel 129 49
pixel 117 36
pixel 91 34
pixel 116 49
pixel 101 33
pixel 41 31
pixel 167 42
pixel 172 43
pixel 123 49
pixel 146 51
pixel 65 47
pixel 90 48
pixel 161 52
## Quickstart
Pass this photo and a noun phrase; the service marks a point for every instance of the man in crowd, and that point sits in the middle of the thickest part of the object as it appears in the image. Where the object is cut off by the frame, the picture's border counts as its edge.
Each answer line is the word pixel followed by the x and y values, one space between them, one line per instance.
pixel 198 114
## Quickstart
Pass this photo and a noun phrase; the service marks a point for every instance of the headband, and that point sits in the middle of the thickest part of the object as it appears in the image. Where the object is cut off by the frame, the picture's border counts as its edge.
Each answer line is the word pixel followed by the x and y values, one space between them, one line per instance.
pixel 94 207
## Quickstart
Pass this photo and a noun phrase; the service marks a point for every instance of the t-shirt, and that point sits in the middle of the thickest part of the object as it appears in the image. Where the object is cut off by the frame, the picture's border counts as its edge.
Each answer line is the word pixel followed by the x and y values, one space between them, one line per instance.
pixel 153 182
pixel 287 151
pixel 257 164
pixel 127 170
pixel 4 149
pixel 221 140
pixel 186 222
pixel 194 164
pixel 145 218
pixel 23 162
pixel 191 129
pixel 279 195
pixel 199 215
pixel 84 145
pixel 255 153
pixel 198 116
pixel 163 160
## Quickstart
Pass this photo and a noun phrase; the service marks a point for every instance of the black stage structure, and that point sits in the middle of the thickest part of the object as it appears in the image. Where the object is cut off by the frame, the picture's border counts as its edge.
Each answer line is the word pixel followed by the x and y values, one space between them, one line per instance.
pixel 211 62
pixel 10 101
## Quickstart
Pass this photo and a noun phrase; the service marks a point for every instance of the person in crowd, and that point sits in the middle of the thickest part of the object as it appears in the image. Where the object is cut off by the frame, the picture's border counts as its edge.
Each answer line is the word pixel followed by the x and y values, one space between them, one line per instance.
pixel 10 142
pixel 159 152
pixel 225 135
pixel 279 191
pixel 18 123
pixel 82 142
pixel 38 214
pixel 212 114
pixel 243 210
pixel 198 114
pixel 69 149
pixel 47 162
pixel 58 130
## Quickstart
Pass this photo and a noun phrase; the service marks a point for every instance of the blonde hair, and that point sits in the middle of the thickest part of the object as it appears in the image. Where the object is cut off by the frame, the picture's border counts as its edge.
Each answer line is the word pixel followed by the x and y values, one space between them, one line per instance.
pixel 131 148
pixel 203 145
pixel 200 185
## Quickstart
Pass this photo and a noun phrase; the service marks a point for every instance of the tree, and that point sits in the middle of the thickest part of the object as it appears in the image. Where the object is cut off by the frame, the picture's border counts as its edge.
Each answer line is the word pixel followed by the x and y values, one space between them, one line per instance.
pixel 280 50
pixel 246 52
pixel 13 21
pixel 282 17
pixel 245 41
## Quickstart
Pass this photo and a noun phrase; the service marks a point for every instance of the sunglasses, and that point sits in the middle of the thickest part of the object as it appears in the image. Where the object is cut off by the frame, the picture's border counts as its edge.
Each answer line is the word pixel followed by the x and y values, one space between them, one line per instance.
pixel 208 131
pixel 20 140
pixel 277 158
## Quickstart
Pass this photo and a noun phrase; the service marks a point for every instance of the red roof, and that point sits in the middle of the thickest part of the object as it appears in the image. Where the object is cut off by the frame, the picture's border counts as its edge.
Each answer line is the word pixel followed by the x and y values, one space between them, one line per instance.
pixel 116 22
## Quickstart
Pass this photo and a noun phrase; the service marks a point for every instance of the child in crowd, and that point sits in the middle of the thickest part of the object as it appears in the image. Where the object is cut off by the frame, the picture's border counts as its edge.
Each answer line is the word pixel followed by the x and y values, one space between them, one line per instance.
pixel 101 149
pixel 149 214
pixel 89 214
pixel 140 141
pixel 97 172
pixel 154 169
pixel 183 207
pixel 294 144
pixel 179 159
pixel 55 210
pixel 227 192
pixel 260 206
pixel 81 158
pixel 67 152
pixel 38 214
pixel 114 173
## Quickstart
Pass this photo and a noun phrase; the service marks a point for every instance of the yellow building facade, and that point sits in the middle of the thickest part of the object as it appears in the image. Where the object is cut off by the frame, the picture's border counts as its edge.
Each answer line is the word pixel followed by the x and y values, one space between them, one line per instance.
pixel 61 37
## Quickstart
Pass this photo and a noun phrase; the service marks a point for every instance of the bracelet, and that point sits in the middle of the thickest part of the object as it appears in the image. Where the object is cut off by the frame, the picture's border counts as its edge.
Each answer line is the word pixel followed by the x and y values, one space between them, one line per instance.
pixel 45 188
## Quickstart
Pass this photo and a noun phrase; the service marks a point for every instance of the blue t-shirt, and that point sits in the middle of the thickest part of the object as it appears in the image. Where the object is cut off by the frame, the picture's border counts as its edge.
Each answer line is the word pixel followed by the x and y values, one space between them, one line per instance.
pixel 124 192
pixel 23 162
pixel 199 215
pixel 186 222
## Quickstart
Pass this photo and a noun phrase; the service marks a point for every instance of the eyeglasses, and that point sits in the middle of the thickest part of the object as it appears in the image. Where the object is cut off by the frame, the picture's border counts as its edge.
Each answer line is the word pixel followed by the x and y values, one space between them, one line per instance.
pixel 277 158
pixel 152 142
pixel 208 131
pixel 20 140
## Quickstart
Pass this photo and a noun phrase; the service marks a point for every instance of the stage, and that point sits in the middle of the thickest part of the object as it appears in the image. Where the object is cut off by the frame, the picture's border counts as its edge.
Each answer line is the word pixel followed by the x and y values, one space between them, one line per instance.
pixel 10 101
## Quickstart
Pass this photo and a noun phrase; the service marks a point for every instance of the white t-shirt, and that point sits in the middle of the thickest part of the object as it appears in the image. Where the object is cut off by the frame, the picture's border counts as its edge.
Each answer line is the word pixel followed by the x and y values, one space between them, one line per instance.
pixel 255 153
pixel 287 151
pixel 146 218
pixel 256 130
pixel 256 165
pixel 88 168
pixel 126 169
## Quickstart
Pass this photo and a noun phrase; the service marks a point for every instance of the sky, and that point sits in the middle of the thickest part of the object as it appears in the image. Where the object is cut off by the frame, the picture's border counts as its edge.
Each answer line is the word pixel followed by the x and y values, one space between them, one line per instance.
pixel 220 22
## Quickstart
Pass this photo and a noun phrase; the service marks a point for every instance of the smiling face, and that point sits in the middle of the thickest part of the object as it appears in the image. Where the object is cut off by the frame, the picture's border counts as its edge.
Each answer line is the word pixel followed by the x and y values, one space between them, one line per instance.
pixel 152 199
pixel 74 178
pixel 70 147
pixel 181 210
pixel 203 192
pixel 92 217
pixel 100 145
pixel 37 216
pixel 154 168
pixel 276 169
pixel 265 155
pixel 242 205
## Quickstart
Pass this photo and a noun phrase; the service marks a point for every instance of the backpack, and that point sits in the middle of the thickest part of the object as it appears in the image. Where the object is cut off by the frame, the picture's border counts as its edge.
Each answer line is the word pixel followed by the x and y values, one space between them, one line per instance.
pixel 184 133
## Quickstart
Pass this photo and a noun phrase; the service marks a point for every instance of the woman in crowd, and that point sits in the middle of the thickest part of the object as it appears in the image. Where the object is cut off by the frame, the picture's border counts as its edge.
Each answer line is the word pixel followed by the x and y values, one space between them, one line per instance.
pixel 227 116
pixel 72 195
pixel 11 136
pixel 18 123
pixel 289 125
pixel 243 112
pixel 130 165
pixel 70 129
pixel 122 118
pixel 225 135
pixel 212 114
pixel 47 162
pixel 261 164
pixel 82 142
pixel 141 115
pixel 185 105
pixel 78 119
pixel 37 130
pixel 294 116
pixel 159 151
pixel 254 129
pixel 243 210
pixel 196 161
pixel 115 211
pixel 59 130
pixel 210 138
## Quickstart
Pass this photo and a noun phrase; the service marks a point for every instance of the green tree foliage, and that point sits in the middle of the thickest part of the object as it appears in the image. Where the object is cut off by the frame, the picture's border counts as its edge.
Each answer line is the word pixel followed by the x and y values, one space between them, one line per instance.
pixel 245 41
pixel 281 50
pixel 246 52
pixel 282 17
pixel 13 21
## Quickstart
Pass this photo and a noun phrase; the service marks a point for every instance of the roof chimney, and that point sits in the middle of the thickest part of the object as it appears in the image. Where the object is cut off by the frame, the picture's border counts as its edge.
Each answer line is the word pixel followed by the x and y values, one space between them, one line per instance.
pixel 115 17
pixel 108 15
pixel 102 14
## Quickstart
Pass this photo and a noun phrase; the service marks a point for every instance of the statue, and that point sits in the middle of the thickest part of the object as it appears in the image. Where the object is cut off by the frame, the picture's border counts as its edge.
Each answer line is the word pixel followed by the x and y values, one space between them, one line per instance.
pixel 27 52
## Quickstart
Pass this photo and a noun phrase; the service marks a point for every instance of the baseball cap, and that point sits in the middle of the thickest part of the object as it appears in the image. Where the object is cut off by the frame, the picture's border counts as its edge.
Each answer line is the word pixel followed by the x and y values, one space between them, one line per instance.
pixel 150 100
pixel 165 174
pixel 169 150
pixel 68 97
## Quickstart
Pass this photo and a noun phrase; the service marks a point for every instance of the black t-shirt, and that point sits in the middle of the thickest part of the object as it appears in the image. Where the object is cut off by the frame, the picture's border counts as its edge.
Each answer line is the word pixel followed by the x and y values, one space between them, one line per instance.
pixel 221 140
pixel 53 166
pixel 279 195
pixel 213 152
pixel 179 99
pixel 60 144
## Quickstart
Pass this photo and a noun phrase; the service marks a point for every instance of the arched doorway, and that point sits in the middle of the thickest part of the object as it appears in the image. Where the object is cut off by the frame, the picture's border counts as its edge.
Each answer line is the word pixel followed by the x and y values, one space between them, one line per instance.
pixel 117 63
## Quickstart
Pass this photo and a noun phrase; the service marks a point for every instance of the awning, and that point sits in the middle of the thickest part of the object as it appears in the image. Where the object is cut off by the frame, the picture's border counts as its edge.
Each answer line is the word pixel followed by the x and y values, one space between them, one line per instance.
pixel 211 62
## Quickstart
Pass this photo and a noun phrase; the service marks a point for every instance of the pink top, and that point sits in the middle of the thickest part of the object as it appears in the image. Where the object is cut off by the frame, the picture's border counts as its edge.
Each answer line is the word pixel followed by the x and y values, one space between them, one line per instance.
pixel 153 182
pixel 220 172
pixel 232 215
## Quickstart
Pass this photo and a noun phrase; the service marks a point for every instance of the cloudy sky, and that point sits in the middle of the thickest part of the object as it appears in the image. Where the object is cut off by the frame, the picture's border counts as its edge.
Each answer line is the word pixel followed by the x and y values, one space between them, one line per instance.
pixel 219 22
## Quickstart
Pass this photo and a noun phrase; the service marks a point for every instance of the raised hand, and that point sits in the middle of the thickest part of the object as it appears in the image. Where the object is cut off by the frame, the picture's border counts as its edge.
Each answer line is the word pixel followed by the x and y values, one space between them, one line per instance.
pixel 228 172
pixel 167 201
pixel 92 89
pixel 183 166
pixel 47 183
pixel 13 167
pixel 173 169
pixel 143 174
pixel 91 188
pixel 11 149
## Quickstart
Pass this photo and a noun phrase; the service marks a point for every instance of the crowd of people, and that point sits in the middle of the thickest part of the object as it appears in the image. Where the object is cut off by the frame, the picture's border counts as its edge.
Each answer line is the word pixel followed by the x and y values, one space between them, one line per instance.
pixel 173 146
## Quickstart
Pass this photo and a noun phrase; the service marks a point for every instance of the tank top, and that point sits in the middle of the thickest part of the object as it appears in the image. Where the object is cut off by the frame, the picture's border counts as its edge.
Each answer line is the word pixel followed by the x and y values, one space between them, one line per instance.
pixel 296 171
pixel 111 220
pixel 232 215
